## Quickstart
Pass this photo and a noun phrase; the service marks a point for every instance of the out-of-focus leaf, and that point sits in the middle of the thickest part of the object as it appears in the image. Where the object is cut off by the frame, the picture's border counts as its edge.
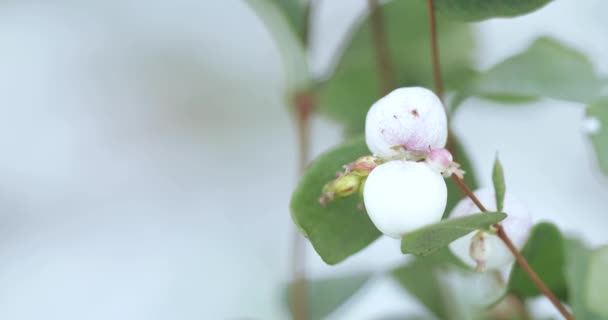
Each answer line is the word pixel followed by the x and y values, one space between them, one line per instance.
pixel 427 240
pixel 296 12
pixel 340 229
pixel 326 295
pixel 545 69
pixel 291 48
pixel 354 87
pixel 419 278
pixel 597 114
pixel 475 10
pixel 498 178
pixel 454 192
pixel 597 282
pixel 466 294
pixel 545 253
pixel 577 278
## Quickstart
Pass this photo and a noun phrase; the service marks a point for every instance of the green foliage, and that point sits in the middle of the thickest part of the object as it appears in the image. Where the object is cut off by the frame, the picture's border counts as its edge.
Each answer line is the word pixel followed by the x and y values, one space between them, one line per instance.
pixel 498 179
pixel 597 282
pixel 277 16
pixel 340 229
pixel 419 278
pixel 599 110
pixel 296 12
pixel 454 192
pixel 354 86
pixel 577 278
pixel 545 69
pixel 326 295
pixel 475 10
pixel 545 253
pixel 427 240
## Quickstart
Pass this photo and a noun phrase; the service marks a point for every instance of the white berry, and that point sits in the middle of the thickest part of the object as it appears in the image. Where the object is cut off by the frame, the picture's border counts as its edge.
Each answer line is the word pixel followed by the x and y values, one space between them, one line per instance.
pixel 401 196
pixel 412 118
pixel 517 226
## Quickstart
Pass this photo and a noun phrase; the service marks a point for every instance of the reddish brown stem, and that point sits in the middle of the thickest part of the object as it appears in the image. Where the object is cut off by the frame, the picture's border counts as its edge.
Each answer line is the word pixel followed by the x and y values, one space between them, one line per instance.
pixel 383 59
pixel 520 259
pixel 304 105
pixel 435 50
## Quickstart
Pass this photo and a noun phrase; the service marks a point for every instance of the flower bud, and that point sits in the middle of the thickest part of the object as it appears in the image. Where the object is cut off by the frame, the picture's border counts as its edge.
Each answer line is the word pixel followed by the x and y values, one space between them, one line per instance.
pixel 363 165
pixel 517 226
pixel 441 160
pixel 479 250
pixel 412 118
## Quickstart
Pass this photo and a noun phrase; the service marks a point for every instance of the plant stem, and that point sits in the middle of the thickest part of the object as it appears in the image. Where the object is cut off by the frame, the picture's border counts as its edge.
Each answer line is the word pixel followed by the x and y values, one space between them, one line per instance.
pixel 383 60
pixel 438 80
pixel 304 105
pixel 500 231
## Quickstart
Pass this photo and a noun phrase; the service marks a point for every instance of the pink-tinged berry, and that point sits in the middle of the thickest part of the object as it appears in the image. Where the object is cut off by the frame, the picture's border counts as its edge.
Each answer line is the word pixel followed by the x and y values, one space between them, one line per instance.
pixel 490 252
pixel 412 118
pixel 401 196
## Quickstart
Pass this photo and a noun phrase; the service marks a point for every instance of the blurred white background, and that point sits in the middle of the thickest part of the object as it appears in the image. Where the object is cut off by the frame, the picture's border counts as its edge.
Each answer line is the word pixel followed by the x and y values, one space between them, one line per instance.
pixel 147 158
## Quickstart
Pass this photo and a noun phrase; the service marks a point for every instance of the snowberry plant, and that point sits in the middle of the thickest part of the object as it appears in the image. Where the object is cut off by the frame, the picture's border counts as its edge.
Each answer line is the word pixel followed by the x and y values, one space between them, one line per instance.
pixel 475 253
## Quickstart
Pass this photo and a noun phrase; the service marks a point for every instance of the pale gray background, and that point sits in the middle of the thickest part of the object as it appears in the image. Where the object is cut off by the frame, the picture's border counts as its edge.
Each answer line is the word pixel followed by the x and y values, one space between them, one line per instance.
pixel 147 160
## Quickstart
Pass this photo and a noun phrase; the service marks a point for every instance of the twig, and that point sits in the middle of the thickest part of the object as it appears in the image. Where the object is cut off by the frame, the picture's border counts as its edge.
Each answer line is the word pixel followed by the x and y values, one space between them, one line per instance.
pixel 383 60
pixel 304 104
pixel 500 231
pixel 435 50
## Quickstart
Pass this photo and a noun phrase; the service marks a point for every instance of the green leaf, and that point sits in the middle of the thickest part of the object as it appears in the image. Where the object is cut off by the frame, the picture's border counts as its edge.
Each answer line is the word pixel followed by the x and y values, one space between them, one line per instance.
pixel 545 69
pixel 498 179
pixel 577 278
pixel 599 110
pixel 327 295
pixel 475 10
pixel 340 229
pixel 545 253
pixel 454 191
pixel 296 12
pixel 418 278
pixel 597 282
pixel 291 48
pixel 354 87
pixel 431 238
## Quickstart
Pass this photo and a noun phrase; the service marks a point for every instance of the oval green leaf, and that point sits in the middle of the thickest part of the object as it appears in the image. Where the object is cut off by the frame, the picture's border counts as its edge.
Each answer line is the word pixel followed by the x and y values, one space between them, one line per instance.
pixel 475 10
pixel 545 253
pixel 341 228
pixel 429 239
pixel 546 68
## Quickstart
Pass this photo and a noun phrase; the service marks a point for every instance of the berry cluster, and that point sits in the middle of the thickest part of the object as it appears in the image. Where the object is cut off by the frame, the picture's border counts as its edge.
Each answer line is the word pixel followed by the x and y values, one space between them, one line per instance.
pixel 402 183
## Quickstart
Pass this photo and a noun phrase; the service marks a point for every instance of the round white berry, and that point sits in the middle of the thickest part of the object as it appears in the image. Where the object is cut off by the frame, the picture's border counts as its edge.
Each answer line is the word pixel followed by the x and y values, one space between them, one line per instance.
pixel 517 226
pixel 411 117
pixel 401 196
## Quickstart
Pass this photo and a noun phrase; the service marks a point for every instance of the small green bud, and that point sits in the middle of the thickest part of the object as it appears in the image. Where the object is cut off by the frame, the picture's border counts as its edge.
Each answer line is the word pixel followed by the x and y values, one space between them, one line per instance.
pixel 341 187
pixel 346 185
